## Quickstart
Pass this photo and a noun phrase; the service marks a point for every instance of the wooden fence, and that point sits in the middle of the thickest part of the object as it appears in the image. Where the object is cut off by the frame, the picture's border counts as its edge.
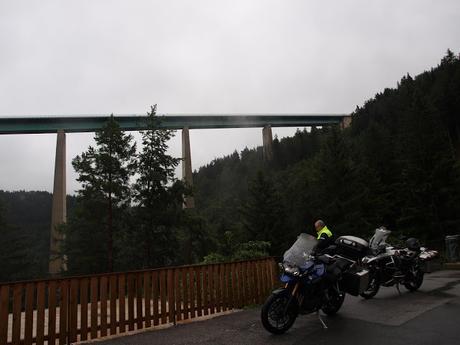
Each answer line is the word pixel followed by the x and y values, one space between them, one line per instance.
pixel 75 309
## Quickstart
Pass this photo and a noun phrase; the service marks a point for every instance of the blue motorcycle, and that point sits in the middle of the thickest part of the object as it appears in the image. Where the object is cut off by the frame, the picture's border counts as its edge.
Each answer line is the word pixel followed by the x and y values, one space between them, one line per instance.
pixel 312 282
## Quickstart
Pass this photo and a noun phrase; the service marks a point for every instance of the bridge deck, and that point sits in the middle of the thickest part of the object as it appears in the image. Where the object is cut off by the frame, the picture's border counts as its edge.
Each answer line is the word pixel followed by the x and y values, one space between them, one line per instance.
pixel 91 123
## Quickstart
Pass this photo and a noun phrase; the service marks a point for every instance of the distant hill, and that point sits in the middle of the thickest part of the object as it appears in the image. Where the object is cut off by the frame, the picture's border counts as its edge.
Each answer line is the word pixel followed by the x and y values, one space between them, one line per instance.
pixel 29 216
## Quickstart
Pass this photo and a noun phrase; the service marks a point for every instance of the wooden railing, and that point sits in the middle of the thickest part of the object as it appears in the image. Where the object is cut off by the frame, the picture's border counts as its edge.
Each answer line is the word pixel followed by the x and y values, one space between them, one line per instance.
pixel 75 309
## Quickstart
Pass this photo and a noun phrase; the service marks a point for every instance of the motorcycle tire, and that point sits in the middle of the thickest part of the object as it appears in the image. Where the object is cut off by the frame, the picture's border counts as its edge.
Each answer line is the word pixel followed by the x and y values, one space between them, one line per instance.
pixel 372 288
pixel 335 302
pixel 276 316
pixel 415 283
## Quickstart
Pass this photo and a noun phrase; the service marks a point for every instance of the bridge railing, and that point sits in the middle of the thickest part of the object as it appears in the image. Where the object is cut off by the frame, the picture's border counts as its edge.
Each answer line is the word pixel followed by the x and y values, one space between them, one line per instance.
pixel 81 308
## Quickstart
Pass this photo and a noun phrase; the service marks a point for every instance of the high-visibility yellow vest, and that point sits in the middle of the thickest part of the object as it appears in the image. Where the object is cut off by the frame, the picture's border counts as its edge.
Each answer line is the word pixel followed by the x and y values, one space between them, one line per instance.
pixel 326 231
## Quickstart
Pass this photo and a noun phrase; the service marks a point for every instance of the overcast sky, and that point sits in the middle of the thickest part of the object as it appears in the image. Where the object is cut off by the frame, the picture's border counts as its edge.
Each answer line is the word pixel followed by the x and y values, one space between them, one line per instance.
pixel 199 57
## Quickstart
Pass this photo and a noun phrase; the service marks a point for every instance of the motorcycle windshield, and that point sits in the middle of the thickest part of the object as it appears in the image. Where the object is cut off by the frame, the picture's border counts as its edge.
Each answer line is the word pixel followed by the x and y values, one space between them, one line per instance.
pixel 380 237
pixel 300 251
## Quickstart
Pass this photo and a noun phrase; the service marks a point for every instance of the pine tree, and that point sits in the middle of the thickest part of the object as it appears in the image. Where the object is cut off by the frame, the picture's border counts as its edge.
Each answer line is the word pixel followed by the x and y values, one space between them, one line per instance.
pixel 158 194
pixel 263 215
pixel 104 173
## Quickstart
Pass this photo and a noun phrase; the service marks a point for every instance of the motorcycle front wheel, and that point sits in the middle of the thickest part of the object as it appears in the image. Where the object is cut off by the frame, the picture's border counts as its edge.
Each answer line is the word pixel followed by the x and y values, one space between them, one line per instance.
pixel 277 316
pixel 334 302
pixel 372 288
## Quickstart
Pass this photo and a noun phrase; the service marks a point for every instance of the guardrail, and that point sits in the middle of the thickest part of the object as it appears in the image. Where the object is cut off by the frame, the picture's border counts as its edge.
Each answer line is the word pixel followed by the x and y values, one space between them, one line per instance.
pixel 70 310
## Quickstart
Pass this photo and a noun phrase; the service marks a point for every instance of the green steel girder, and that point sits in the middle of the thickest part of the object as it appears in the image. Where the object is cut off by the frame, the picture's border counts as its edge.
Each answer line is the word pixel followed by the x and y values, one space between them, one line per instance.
pixel 91 123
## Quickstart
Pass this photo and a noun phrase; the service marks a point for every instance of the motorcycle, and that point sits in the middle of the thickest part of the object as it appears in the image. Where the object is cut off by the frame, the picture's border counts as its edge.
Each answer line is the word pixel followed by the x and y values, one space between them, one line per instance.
pixel 312 282
pixel 394 266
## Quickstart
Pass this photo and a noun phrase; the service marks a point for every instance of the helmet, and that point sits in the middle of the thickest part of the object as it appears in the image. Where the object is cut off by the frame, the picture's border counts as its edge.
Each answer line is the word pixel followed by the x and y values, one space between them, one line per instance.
pixel 413 244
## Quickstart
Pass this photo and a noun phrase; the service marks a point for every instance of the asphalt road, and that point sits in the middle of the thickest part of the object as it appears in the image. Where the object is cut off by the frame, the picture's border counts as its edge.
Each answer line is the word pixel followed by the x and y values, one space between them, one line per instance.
pixel 428 316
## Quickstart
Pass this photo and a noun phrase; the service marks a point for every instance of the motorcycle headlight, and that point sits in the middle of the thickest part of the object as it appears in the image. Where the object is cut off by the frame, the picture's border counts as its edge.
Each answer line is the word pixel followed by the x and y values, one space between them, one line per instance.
pixel 293 270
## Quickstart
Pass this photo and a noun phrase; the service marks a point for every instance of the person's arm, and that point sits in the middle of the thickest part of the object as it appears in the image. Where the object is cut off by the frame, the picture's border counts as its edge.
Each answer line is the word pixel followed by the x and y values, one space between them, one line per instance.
pixel 323 242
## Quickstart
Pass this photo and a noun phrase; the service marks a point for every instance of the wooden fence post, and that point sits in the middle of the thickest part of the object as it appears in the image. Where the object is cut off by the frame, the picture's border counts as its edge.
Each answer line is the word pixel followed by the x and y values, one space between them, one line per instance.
pixel 41 297
pixel 171 297
pixel 4 311
pixel 122 302
pixel 63 311
pixel 84 309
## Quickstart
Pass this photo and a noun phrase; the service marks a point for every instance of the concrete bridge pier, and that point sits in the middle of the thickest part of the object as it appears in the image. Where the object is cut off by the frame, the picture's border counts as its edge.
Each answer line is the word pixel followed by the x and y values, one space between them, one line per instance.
pixel 267 139
pixel 59 208
pixel 345 122
pixel 187 166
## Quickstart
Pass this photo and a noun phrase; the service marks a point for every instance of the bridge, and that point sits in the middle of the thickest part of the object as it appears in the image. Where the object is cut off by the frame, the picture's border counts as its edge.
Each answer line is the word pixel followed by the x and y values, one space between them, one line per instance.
pixel 61 125
pixel 92 123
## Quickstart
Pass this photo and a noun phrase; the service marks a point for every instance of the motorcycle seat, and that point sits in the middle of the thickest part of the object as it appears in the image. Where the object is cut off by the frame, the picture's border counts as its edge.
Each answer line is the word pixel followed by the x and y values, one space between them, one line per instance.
pixel 338 266
pixel 325 259
pixel 343 264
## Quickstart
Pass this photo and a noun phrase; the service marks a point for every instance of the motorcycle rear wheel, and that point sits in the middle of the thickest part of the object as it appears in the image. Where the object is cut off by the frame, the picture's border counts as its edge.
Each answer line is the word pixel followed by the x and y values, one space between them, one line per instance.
pixel 277 317
pixel 415 282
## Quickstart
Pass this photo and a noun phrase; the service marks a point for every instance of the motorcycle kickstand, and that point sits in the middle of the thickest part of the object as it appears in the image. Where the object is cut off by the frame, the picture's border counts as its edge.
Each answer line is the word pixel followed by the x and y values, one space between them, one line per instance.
pixel 397 288
pixel 321 320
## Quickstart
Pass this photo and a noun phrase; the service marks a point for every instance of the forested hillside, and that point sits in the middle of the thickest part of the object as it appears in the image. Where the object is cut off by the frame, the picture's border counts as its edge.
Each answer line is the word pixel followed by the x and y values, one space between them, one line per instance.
pixel 396 165
pixel 25 221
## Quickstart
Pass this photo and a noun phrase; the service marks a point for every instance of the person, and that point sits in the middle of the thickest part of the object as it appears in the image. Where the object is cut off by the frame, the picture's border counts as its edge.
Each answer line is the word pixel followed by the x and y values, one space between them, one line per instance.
pixel 324 235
